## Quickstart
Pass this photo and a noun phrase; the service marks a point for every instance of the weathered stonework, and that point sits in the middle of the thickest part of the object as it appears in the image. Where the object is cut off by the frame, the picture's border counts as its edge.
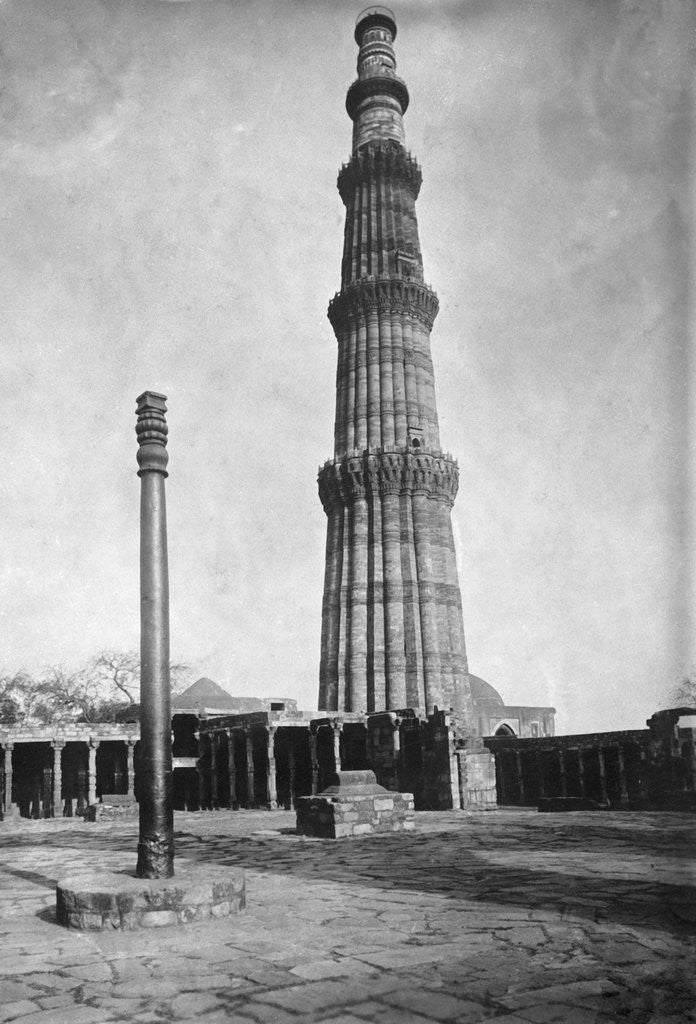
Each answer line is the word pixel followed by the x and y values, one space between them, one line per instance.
pixel 354 805
pixel 101 902
pixel 392 625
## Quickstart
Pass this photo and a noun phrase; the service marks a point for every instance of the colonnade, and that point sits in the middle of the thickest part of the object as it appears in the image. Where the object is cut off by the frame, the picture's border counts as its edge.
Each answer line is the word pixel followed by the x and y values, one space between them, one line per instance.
pixel 38 785
pixel 273 764
pixel 608 773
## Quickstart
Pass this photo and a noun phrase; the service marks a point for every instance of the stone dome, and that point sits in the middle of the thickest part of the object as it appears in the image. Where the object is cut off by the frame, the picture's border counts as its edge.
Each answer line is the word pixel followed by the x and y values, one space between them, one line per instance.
pixel 481 691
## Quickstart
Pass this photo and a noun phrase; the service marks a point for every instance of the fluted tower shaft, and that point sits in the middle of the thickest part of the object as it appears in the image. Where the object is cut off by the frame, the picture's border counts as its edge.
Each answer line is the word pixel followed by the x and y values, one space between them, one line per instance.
pixel 392 627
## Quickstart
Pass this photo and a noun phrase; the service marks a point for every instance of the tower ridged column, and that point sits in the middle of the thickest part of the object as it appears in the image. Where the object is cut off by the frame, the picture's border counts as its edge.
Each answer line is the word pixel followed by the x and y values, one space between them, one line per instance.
pixel 392 629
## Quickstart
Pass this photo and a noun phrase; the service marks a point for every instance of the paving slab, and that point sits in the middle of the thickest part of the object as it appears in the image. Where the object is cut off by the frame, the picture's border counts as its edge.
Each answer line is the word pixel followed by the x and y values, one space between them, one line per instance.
pixel 506 916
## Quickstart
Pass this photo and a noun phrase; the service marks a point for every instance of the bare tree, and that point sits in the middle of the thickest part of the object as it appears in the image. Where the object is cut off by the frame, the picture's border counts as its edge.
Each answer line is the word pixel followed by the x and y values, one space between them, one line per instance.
pixel 15 690
pixel 103 690
pixel 683 693
pixel 119 671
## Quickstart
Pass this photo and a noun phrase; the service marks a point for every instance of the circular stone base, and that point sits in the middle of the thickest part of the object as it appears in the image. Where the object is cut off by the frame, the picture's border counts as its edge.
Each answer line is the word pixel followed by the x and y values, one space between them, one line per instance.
pixel 94 901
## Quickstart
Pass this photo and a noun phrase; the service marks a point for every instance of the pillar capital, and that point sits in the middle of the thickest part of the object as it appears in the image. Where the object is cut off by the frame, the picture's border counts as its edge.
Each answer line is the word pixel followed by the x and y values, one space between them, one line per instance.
pixel 151 430
pixel 93 743
pixel 58 744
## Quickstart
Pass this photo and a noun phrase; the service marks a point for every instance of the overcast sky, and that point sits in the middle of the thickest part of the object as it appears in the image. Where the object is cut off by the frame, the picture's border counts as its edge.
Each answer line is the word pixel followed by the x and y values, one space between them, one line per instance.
pixel 170 221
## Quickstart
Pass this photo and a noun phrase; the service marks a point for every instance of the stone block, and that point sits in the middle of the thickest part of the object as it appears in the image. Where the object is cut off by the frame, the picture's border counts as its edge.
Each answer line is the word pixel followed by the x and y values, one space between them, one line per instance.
pixel 157 918
pixel 353 805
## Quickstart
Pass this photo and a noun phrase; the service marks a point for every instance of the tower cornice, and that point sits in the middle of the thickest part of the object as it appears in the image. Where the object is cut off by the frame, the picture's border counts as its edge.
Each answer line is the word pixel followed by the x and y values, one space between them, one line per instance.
pixel 378 85
pixel 342 481
pixel 386 160
pixel 383 294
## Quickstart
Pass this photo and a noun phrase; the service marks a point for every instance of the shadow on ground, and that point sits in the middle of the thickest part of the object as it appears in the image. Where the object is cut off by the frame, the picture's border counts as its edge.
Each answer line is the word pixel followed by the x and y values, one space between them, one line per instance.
pixel 450 863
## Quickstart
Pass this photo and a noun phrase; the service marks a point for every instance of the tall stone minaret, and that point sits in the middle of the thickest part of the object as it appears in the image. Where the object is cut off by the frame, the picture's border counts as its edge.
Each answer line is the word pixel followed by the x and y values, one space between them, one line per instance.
pixel 392 628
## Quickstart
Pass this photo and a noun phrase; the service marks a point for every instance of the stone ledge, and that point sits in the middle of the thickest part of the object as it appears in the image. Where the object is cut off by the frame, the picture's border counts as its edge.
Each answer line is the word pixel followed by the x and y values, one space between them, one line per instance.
pixel 92 901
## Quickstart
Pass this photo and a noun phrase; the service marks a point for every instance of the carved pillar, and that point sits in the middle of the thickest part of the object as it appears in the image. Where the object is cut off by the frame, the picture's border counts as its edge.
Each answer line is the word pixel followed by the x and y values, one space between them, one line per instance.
pixel 541 772
pixel 337 726
pixel 130 768
pixel 454 768
pixel 500 776
pixel 214 802
pixel 251 801
pixel 8 777
pixel 58 746
pixel 581 772
pixel 92 772
pixel 520 775
pixel 623 789
pixel 602 776
pixel 291 773
pixel 271 787
pixel 562 772
pixel 396 748
pixel 231 768
pixel 315 762
pixel 156 839
pixel 200 771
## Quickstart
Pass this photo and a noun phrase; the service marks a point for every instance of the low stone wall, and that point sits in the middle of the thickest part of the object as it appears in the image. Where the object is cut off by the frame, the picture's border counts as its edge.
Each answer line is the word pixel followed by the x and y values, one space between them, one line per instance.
pixel 354 806
pixel 99 902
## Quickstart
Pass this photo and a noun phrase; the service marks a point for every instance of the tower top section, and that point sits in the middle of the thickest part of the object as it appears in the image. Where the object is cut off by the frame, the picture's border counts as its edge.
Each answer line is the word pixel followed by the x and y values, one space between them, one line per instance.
pixel 372 17
pixel 377 99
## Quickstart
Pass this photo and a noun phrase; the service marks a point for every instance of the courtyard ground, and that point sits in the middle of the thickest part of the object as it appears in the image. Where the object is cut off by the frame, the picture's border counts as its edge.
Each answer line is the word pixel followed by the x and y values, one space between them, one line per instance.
pixel 509 915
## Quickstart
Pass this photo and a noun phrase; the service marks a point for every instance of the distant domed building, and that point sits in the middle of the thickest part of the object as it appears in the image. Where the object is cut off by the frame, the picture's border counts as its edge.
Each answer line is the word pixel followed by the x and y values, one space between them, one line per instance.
pixel 205 697
pixel 496 718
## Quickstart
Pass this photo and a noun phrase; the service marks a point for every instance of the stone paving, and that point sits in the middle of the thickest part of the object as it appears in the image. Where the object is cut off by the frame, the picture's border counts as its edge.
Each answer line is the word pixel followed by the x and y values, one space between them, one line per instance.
pixel 509 915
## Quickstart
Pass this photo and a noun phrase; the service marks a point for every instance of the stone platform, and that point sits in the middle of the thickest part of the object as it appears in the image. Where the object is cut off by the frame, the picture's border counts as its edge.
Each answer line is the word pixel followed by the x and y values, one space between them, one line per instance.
pixel 93 901
pixel 354 805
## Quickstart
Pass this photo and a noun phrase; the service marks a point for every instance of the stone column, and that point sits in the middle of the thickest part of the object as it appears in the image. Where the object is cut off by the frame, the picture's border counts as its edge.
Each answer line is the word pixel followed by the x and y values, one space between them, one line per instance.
pixel 271 788
pixel 520 775
pixel 602 776
pixel 92 772
pixel 562 772
pixel 58 746
pixel 623 789
pixel 231 767
pixel 396 748
pixel 251 801
pixel 581 772
pixel 337 726
pixel 156 841
pixel 315 762
pixel 500 776
pixel 455 765
pixel 130 768
pixel 291 772
pixel 214 802
pixel 200 771
pixel 541 772
pixel 7 805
